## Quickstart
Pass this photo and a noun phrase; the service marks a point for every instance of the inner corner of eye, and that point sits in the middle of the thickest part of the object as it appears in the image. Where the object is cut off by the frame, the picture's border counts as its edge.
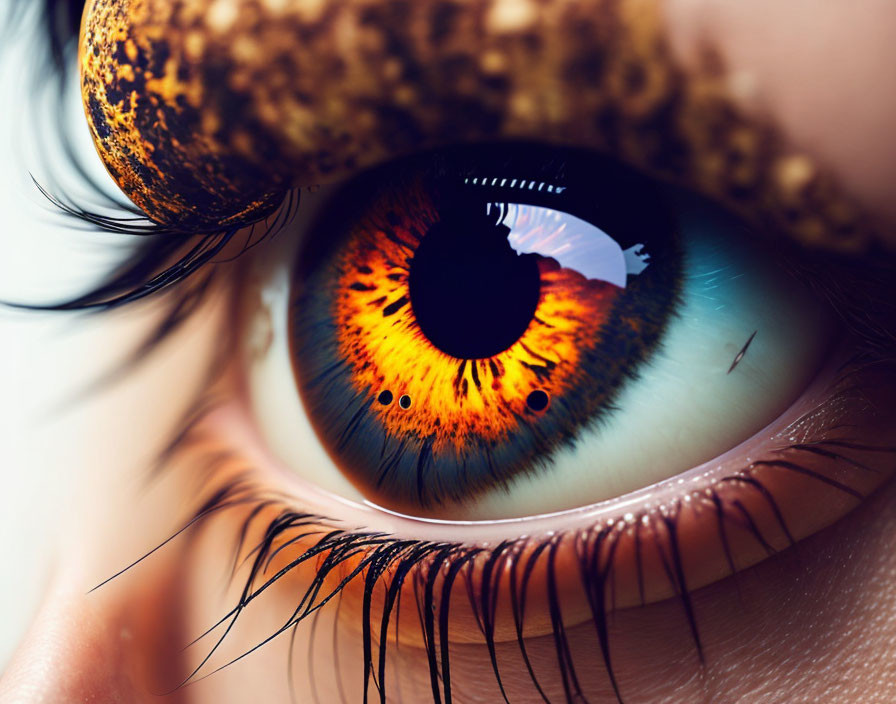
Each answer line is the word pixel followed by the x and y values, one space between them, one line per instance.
pixel 496 339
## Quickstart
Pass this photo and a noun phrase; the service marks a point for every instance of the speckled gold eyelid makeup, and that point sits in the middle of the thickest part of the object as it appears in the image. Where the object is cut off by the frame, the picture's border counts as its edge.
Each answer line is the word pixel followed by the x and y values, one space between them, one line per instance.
pixel 206 112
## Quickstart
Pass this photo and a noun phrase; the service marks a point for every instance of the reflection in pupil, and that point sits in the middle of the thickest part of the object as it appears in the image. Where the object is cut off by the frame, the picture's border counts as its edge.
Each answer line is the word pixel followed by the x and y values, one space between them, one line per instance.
pixel 473 296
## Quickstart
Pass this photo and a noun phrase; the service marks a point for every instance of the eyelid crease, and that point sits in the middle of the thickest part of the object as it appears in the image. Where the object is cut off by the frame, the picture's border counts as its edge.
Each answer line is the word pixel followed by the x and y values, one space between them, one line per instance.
pixel 371 81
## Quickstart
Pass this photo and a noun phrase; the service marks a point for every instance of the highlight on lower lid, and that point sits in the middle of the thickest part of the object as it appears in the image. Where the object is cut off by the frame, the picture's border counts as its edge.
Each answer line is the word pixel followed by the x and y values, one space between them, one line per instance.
pixel 451 341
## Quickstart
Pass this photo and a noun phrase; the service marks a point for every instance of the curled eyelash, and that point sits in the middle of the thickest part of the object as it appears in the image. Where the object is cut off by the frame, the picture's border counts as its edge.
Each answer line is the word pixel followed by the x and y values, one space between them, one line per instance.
pixel 171 257
pixel 436 572
pixel 174 268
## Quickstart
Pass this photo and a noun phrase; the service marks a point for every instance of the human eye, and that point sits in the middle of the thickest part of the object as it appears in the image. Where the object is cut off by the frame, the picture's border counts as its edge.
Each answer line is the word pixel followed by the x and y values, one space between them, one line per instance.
pixel 478 346
pixel 338 318
pixel 542 571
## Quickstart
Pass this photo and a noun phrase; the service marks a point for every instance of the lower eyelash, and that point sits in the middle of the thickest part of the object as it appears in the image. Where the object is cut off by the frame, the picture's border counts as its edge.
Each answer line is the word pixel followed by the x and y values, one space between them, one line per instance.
pixel 431 571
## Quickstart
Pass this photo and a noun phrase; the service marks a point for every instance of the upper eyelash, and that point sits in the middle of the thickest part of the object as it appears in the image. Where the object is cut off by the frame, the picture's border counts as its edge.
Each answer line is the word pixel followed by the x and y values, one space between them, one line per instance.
pixel 149 270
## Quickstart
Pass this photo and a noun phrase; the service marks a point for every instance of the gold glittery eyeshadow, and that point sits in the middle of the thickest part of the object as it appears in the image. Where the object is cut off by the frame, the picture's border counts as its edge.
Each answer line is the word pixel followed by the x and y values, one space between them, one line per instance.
pixel 206 112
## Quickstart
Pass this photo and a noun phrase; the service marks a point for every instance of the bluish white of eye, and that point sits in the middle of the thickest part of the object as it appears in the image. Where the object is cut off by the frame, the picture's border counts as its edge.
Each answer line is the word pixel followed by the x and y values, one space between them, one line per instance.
pixel 683 408
pixel 274 401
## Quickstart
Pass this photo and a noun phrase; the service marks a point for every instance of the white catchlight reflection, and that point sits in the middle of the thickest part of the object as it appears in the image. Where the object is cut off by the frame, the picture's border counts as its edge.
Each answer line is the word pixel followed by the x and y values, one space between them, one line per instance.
pixel 575 243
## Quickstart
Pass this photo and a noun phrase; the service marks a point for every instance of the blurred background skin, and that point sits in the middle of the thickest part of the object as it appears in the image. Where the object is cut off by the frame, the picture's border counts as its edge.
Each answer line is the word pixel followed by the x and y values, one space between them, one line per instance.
pixel 58 436
pixel 821 68
pixel 40 355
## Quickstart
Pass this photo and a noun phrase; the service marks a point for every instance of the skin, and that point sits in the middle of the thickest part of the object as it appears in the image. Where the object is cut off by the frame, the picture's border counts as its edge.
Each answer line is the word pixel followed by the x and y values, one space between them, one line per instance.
pixel 813 623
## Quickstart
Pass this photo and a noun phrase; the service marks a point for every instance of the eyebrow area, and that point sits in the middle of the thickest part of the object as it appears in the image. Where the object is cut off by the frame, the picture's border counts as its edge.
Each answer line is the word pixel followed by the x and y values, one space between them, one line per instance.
pixel 206 112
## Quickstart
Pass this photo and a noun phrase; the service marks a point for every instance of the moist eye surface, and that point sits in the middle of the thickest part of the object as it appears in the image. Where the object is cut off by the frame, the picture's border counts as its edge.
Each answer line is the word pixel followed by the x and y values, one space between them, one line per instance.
pixel 474 317
pixel 498 310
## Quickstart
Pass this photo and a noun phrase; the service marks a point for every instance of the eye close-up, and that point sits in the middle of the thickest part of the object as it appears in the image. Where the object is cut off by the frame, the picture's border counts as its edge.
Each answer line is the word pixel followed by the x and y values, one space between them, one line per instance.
pixel 568 344
pixel 469 335
pixel 448 351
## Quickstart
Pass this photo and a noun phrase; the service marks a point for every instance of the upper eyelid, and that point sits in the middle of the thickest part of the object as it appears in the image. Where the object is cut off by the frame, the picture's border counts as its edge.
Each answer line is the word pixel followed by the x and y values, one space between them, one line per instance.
pixel 696 123
pixel 127 285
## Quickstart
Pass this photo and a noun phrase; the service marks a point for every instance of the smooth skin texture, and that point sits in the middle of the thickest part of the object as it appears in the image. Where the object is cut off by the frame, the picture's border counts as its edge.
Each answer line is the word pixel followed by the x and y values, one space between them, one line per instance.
pixel 815 623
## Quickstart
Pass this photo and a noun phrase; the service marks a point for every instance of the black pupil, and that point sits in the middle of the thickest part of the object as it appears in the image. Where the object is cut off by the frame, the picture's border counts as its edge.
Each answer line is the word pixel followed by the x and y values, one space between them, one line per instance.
pixel 472 294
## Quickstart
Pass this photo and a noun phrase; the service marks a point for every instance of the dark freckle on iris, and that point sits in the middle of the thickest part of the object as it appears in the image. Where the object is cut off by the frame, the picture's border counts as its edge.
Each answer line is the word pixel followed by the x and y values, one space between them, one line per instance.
pixel 405 402
pixel 538 401
pixel 385 398
pixel 393 308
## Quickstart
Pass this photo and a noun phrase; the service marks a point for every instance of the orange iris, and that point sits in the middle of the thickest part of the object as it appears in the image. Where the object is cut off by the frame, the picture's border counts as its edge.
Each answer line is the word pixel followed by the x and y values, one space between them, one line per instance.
pixel 452 399
pixel 449 335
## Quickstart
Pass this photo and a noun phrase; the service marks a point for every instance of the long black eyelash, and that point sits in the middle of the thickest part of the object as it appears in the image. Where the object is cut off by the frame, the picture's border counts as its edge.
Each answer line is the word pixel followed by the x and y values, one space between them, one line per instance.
pixel 150 270
pixel 175 268
pixel 168 262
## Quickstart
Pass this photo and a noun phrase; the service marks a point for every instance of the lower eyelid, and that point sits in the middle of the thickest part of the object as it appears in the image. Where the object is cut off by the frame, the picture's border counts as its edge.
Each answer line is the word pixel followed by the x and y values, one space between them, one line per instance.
pixel 819 473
